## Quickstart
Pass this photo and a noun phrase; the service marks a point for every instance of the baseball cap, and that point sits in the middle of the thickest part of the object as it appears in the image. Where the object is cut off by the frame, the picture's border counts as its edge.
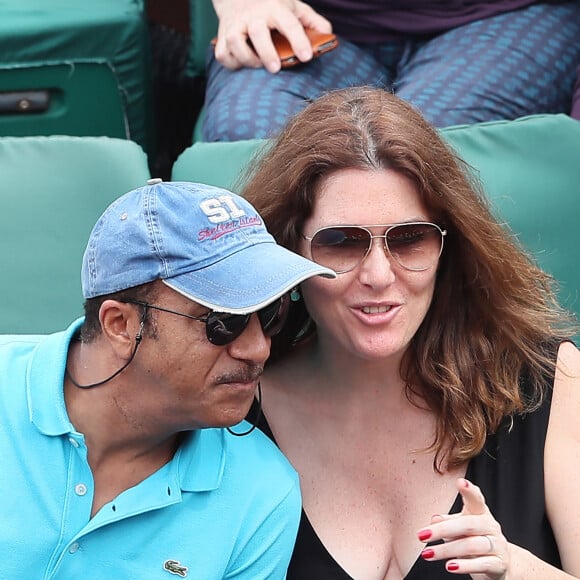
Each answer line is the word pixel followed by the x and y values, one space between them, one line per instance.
pixel 206 243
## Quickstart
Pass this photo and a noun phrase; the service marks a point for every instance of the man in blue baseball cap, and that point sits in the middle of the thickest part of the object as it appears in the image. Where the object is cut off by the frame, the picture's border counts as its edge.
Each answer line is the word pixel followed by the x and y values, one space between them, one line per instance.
pixel 118 460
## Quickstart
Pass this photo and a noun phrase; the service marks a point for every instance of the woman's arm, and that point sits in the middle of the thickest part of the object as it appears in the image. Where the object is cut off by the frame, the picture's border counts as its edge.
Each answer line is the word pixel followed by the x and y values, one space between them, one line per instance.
pixel 474 542
pixel 562 458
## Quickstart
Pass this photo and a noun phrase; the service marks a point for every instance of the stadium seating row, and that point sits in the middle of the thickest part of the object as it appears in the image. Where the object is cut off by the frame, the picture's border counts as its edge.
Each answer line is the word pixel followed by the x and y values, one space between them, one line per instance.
pixel 54 188
pixel 76 68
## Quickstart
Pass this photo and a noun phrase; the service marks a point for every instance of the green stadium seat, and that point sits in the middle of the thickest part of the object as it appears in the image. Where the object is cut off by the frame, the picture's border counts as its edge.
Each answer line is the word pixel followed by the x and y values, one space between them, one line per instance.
pixel 529 168
pixel 69 67
pixel 53 191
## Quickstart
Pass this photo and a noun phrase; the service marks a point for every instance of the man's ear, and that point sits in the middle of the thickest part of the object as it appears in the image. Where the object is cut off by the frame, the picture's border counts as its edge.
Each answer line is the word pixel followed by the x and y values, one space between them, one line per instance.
pixel 120 325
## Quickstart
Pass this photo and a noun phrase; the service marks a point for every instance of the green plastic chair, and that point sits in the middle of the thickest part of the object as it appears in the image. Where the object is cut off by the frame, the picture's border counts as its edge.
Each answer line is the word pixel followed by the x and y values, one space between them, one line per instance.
pixel 76 68
pixel 52 191
pixel 530 169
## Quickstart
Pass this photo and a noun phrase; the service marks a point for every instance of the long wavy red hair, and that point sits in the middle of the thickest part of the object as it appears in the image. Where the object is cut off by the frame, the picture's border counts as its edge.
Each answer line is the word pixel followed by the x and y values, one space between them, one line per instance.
pixel 494 313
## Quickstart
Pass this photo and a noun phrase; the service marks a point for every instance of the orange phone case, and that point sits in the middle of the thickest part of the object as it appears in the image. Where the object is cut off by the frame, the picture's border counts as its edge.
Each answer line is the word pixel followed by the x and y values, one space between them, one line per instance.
pixel 321 43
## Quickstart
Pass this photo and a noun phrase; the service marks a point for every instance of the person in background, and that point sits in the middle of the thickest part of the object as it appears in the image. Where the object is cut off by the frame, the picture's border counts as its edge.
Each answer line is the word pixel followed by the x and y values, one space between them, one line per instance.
pixel 457 62
pixel 429 396
pixel 117 457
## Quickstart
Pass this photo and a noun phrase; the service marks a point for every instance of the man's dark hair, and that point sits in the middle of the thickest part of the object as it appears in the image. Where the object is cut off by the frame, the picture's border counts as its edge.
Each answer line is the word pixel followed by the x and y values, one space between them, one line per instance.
pixel 91 328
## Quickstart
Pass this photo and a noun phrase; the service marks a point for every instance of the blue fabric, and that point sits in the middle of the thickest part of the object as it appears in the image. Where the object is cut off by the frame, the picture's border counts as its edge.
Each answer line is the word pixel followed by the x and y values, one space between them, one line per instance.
pixel 503 67
pixel 224 507
pixel 142 236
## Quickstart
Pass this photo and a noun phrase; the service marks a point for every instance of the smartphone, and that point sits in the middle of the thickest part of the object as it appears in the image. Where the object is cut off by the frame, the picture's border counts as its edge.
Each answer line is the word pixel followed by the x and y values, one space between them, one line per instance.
pixel 321 42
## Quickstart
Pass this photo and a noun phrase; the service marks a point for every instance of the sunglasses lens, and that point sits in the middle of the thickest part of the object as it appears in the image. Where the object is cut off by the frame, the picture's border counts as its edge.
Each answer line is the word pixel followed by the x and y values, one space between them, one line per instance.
pixel 415 246
pixel 223 328
pixel 340 248
pixel 273 316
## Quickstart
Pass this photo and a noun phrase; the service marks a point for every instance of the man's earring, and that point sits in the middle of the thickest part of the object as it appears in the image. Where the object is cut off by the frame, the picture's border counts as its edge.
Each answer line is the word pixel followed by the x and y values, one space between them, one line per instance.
pixel 295 294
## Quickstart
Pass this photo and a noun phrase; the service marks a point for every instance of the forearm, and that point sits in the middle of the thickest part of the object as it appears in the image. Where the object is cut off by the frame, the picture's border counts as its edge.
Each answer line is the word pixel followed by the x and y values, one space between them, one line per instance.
pixel 525 566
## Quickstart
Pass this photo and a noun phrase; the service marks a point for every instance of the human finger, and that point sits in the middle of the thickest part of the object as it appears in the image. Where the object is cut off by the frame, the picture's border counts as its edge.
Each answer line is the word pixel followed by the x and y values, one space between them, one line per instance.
pixel 473 503
pixel 230 61
pixel 291 23
pixel 243 21
pixel 473 499
pixel 486 568
pixel 471 543
pixel 479 554
pixel 309 19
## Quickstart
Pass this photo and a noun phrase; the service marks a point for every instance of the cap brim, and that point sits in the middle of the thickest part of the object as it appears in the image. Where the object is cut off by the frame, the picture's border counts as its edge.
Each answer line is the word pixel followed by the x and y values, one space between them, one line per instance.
pixel 247 280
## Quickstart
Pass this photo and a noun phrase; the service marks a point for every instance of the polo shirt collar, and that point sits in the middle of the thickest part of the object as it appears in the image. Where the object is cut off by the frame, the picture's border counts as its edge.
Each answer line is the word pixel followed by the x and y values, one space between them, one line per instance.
pixel 200 459
pixel 45 380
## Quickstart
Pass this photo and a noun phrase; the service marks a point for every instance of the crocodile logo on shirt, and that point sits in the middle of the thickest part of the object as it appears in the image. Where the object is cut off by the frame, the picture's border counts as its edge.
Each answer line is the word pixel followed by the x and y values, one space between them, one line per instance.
pixel 175 567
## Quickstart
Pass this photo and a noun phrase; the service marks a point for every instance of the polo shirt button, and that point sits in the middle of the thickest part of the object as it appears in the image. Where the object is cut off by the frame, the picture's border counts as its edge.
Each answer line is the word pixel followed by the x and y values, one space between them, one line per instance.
pixel 73 548
pixel 80 489
pixel 73 442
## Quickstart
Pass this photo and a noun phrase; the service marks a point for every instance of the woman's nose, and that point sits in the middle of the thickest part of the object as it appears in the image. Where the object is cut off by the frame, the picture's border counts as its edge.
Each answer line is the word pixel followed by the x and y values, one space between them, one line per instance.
pixel 378 265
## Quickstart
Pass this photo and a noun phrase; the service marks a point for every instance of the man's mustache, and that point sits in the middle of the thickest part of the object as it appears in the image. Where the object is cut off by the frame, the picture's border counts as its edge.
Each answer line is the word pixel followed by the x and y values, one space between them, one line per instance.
pixel 245 375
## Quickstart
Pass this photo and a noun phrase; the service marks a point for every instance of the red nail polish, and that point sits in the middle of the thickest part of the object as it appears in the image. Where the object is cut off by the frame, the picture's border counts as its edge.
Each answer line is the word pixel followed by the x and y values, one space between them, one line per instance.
pixel 424 535
pixel 427 553
pixel 452 566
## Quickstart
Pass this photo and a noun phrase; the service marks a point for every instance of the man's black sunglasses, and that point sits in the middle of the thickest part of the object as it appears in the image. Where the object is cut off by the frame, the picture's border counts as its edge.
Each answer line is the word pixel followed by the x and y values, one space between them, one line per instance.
pixel 221 328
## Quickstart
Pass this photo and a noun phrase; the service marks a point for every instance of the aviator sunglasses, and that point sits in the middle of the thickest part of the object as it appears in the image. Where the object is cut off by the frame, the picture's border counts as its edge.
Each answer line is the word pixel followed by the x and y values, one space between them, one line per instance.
pixel 415 246
pixel 222 328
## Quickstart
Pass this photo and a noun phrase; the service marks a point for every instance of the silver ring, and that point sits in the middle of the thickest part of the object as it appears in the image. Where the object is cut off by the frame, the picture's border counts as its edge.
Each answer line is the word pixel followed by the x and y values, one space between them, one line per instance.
pixel 491 544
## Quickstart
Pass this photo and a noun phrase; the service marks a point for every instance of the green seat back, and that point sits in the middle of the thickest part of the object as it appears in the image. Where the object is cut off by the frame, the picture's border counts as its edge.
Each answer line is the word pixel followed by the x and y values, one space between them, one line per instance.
pixel 530 169
pixel 203 25
pixel 52 191
pixel 87 63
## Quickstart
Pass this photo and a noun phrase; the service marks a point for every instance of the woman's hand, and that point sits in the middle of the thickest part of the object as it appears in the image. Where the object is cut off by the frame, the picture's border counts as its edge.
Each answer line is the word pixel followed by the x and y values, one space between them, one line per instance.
pixel 473 540
pixel 245 31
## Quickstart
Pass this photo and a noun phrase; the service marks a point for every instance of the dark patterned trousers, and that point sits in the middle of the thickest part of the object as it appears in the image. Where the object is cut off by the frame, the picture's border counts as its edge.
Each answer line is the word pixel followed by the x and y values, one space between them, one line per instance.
pixel 503 67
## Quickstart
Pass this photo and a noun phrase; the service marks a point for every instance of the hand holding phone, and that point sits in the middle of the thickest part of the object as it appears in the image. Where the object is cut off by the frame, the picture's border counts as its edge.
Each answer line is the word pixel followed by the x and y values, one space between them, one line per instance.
pixel 321 42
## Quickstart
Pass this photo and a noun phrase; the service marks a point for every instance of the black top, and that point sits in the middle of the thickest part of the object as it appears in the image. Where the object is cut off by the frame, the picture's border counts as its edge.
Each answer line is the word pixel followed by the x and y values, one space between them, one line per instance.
pixel 510 473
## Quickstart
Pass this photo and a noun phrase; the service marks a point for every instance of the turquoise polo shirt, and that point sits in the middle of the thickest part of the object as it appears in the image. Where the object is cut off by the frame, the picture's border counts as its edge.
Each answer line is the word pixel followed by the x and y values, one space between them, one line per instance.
pixel 223 507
